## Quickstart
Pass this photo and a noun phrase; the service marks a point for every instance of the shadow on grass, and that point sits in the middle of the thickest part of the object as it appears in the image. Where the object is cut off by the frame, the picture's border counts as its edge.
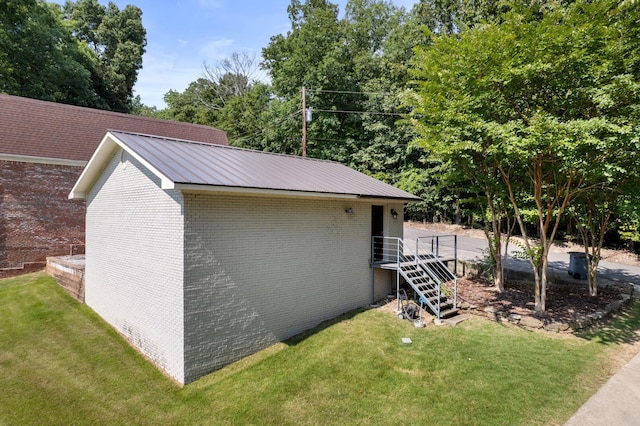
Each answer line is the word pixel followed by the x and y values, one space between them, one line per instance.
pixel 623 328
pixel 299 338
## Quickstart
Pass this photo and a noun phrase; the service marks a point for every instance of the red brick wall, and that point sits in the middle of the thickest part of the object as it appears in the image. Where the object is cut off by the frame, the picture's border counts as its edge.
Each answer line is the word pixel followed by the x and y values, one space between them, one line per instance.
pixel 36 217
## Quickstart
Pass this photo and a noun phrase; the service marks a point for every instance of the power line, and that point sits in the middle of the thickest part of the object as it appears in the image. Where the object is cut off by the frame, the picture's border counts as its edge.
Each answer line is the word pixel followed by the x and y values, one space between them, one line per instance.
pixel 348 140
pixel 360 112
pixel 350 92
pixel 254 134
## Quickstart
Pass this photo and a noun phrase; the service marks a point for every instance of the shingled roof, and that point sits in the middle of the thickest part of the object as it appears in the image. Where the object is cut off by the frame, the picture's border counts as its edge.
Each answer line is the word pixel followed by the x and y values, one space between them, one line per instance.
pixel 40 129
pixel 193 166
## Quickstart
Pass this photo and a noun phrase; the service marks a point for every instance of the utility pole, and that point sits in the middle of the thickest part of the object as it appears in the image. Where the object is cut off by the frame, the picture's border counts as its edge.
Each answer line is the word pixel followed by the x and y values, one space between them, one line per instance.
pixel 304 123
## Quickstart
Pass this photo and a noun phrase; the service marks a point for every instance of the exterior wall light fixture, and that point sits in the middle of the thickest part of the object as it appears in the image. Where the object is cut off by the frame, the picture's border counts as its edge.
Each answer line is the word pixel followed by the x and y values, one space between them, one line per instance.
pixel 394 213
pixel 348 210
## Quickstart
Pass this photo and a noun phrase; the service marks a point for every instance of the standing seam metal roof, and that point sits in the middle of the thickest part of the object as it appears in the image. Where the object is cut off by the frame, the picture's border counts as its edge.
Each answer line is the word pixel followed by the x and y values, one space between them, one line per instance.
pixel 189 162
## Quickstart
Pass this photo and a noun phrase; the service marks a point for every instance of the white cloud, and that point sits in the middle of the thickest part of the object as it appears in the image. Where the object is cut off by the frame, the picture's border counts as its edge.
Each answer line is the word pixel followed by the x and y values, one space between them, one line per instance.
pixel 216 49
pixel 162 72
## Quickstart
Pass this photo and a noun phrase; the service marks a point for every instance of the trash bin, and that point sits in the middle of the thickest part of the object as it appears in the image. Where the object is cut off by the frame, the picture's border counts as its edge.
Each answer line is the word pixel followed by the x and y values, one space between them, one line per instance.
pixel 578 265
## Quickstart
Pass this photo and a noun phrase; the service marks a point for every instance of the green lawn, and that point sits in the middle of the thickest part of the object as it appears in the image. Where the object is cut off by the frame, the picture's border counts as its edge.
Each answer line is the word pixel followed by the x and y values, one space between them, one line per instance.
pixel 61 364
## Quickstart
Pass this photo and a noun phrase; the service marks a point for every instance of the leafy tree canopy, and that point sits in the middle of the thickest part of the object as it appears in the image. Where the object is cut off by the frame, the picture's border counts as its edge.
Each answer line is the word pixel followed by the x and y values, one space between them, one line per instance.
pixel 85 54
pixel 547 95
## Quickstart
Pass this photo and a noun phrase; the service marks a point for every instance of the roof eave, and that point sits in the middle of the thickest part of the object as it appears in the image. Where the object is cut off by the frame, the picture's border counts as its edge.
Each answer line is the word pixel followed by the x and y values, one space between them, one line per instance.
pixel 387 198
pixel 214 189
pixel 99 161
pixel 248 191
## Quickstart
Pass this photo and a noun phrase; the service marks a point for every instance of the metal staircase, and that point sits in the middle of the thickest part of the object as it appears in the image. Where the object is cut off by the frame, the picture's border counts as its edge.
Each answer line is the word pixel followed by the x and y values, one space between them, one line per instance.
pixel 434 283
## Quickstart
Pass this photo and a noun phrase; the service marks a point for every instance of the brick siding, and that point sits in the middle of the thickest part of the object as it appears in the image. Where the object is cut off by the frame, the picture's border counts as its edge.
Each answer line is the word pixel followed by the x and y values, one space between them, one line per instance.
pixel 196 281
pixel 36 217
pixel 261 269
pixel 134 266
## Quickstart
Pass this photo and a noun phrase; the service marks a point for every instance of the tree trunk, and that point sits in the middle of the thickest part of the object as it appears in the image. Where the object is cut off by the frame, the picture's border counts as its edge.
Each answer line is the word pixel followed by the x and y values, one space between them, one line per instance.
pixel 494 238
pixel 540 297
pixel 592 275
pixel 540 277
pixel 498 273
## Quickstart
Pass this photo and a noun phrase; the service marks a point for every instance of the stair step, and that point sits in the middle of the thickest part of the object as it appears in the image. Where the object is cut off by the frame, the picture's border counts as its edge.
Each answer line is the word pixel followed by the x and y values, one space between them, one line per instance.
pixel 448 313
pixel 445 306
pixel 433 299
pixel 415 275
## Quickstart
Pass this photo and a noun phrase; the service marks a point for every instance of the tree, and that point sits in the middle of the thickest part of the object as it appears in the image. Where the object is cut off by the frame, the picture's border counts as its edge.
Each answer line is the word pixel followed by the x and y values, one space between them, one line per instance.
pixel 39 57
pixel 88 56
pixel 231 77
pixel 227 96
pixel 610 180
pixel 340 62
pixel 118 39
pixel 193 105
pixel 526 95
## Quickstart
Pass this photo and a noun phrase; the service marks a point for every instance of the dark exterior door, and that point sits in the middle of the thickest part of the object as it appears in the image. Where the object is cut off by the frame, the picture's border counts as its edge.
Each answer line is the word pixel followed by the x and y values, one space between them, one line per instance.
pixel 377 230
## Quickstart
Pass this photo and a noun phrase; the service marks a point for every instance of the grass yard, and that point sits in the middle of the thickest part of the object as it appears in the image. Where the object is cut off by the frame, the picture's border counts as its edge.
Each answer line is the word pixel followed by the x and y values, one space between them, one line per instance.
pixel 61 364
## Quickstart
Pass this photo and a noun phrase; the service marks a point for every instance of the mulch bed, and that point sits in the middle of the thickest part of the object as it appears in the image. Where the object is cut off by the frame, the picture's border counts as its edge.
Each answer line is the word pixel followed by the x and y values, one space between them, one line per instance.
pixel 565 302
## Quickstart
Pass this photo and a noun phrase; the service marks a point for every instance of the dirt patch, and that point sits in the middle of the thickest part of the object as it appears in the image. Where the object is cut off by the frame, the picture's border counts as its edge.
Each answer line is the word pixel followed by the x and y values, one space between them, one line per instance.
pixel 564 303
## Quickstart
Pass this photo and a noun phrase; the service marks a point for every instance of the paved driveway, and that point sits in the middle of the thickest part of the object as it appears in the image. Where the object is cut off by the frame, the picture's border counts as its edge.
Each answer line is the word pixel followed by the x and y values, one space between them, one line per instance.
pixel 470 248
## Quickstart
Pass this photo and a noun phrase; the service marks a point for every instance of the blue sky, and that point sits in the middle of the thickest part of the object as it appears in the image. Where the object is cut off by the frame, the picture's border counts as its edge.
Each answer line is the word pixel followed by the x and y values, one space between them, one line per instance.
pixel 183 34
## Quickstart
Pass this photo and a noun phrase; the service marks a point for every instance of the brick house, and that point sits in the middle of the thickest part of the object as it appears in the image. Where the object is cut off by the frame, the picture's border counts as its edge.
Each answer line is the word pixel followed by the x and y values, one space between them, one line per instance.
pixel 43 149
pixel 202 254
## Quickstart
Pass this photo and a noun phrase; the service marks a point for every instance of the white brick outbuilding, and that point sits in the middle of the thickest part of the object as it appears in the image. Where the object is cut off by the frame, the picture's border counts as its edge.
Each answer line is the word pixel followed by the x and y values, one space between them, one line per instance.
pixel 201 254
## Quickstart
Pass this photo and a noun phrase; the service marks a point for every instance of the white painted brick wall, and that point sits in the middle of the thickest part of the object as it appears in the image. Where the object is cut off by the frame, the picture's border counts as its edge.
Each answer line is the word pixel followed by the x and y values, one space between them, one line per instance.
pixel 134 264
pixel 256 269
pixel 259 270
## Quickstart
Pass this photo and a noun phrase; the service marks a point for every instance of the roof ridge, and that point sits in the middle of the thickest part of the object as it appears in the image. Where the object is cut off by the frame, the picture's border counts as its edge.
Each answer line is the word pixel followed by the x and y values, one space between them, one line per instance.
pixel 223 146
pixel 107 112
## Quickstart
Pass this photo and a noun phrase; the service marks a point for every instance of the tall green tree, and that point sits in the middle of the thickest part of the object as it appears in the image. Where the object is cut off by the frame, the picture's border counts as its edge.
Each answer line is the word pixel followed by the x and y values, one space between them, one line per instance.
pixel 526 94
pixel 118 39
pixel 86 55
pixel 340 62
pixel 39 58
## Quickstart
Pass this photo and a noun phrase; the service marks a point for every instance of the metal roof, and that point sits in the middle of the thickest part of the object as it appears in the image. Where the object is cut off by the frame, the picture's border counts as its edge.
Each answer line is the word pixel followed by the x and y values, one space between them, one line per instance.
pixel 192 165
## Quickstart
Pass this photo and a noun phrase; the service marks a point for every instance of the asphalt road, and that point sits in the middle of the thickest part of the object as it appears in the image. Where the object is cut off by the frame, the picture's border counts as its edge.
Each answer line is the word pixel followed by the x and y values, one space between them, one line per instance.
pixel 474 249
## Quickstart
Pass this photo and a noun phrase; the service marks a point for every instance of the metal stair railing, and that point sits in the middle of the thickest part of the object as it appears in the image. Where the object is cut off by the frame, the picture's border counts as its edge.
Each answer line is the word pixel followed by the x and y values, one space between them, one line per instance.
pixel 445 247
pixel 384 251
pixel 430 261
pixel 409 264
pixel 391 252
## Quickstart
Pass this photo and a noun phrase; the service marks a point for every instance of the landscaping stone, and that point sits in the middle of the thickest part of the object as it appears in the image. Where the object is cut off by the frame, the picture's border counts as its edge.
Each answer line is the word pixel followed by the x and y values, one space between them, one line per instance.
pixel 514 318
pixel 464 305
pixel 531 322
pixel 557 327
pixel 614 306
pixel 582 322
pixel 491 310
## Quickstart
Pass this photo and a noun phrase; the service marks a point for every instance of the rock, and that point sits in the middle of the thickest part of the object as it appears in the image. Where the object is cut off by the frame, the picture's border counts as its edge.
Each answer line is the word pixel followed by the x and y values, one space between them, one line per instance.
pixel 531 322
pixel 614 306
pixel 464 305
pixel 557 327
pixel 515 318
pixel 492 310
pixel 582 322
